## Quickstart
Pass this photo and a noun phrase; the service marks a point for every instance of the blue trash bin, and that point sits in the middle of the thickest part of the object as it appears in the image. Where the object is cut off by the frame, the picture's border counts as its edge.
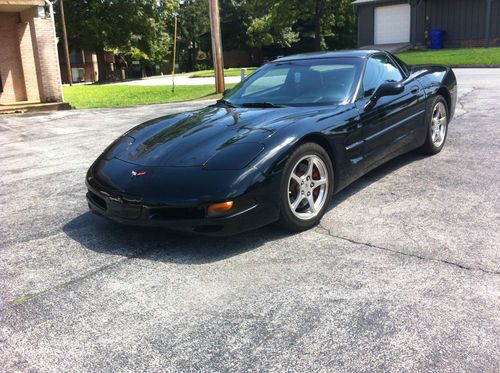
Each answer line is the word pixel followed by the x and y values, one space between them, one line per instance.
pixel 437 38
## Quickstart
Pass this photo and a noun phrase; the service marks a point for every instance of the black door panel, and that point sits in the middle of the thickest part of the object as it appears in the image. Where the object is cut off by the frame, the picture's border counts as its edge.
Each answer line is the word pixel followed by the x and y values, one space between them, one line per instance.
pixel 392 122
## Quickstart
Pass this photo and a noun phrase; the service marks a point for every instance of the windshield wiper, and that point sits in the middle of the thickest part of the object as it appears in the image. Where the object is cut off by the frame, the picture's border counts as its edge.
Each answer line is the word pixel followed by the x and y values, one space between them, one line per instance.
pixel 262 105
pixel 226 102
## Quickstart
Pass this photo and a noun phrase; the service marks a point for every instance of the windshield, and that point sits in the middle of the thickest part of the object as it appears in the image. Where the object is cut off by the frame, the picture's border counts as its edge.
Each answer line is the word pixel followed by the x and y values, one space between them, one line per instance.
pixel 298 83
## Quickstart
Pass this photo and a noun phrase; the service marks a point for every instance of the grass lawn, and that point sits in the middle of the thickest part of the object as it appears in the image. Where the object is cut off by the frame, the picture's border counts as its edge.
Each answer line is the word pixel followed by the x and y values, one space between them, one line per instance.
pixel 105 96
pixel 453 57
pixel 234 71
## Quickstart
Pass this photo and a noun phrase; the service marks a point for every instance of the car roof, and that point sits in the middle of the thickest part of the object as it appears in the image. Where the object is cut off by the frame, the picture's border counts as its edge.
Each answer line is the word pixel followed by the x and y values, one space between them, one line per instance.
pixel 360 53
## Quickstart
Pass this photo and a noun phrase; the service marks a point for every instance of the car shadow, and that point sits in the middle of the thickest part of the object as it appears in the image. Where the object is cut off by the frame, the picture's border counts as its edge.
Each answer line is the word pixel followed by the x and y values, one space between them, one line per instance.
pixel 375 175
pixel 104 236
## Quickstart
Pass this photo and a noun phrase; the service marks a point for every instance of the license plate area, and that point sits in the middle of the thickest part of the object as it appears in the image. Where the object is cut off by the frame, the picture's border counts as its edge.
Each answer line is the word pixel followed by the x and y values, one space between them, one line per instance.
pixel 124 210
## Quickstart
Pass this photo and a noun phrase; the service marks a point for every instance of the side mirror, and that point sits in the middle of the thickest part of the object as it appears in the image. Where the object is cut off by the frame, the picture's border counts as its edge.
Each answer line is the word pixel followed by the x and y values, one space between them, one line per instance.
pixel 385 89
pixel 226 91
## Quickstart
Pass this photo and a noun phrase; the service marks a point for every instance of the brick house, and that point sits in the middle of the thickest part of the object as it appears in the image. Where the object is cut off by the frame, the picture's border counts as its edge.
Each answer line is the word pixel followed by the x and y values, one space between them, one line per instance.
pixel 29 68
pixel 83 66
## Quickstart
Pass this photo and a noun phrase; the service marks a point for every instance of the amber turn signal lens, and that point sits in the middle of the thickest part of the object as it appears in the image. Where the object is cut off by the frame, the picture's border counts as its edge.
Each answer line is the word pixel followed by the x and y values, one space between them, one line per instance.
pixel 220 208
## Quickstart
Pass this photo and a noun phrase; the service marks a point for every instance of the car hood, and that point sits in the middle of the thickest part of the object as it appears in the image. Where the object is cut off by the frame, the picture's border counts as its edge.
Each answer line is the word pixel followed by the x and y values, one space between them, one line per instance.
pixel 192 138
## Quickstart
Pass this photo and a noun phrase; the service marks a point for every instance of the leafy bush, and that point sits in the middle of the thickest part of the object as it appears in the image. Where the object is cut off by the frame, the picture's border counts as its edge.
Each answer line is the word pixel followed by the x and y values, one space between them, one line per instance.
pixel 202 66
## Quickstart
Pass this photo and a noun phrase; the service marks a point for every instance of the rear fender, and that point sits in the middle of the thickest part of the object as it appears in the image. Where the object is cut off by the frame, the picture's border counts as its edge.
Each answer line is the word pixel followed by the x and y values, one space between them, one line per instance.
pixel 438 80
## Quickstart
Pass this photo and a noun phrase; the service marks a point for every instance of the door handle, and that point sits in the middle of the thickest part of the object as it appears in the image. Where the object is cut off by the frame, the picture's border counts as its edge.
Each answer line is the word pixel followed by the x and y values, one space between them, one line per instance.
pixel 415 89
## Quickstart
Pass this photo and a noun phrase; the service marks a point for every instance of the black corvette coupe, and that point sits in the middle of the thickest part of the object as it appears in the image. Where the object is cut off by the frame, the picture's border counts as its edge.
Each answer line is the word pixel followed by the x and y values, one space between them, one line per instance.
pixel 277 146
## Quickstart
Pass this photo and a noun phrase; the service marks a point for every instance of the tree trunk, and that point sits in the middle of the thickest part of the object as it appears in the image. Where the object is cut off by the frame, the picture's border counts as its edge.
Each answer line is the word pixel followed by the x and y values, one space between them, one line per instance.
pixel 196 49
pixel 101 64
pixel 193 56
pixel 317 25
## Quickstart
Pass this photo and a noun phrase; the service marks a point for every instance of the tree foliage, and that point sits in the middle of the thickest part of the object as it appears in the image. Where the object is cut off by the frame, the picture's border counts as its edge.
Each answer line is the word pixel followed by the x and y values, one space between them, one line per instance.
pixel 143 29
pixel 194 23
pixel 133 27
pixel 235 21
pixel 281 22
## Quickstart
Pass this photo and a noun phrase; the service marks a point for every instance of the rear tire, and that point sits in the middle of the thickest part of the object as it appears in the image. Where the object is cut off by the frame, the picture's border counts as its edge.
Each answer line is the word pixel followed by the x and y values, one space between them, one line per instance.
pixel 437 127
pixel 306 187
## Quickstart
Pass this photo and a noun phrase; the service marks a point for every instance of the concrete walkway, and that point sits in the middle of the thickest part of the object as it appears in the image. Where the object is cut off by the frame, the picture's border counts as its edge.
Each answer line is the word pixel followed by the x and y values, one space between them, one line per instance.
pixel 179 80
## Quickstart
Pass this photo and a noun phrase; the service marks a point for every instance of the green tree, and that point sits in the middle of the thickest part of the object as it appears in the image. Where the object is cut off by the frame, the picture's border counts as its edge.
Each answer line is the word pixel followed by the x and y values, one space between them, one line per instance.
pixel 235 21
pixel 342 32
pixel 270 23
pixel 275 21
pixel 194 31
pixel 130 26
pixel 194 22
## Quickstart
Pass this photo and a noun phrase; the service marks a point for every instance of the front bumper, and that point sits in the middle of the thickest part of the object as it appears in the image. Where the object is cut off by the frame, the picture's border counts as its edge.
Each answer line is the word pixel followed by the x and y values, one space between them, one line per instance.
pixel 251 210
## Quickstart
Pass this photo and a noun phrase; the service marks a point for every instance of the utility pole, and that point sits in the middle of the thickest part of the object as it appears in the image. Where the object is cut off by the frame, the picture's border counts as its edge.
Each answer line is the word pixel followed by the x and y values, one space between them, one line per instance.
pixel 173 53
pixel 216 45
pixel 65 43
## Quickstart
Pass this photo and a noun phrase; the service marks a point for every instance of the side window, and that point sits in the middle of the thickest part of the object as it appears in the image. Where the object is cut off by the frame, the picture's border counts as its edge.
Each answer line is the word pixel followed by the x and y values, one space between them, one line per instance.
pixel 373 76
pixel 379 69
pixel 391 71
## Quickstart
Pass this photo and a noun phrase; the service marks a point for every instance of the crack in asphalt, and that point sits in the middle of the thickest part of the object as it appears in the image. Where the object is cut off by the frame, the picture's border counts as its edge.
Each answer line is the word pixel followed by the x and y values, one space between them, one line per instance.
pixel 460 101
pixel 328 232
pixel 86 275
pixel 321 230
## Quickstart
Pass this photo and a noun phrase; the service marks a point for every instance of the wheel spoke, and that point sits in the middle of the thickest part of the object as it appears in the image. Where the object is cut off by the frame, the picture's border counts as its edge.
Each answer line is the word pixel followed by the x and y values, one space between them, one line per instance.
pixel 312 206
pixel 320 182
pixel 296 203
pixel 296 178
pixel 438 125
pixel 310 166
pixel 442 111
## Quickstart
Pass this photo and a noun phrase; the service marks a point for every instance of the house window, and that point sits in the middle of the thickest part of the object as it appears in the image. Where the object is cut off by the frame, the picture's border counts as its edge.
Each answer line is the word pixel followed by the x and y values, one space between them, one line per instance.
pixel 76 57
pixel 78 74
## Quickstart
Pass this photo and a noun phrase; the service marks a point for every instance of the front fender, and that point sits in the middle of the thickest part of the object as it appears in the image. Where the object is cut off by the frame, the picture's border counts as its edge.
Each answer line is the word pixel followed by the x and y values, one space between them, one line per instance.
pixel 330 128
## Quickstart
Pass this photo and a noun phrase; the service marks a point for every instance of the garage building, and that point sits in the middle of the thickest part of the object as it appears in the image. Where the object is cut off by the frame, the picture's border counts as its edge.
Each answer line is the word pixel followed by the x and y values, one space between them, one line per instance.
pixel 466 23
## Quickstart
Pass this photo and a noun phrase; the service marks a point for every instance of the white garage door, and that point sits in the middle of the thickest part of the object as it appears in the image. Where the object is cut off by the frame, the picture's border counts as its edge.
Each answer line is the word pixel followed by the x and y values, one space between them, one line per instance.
pixel 392 24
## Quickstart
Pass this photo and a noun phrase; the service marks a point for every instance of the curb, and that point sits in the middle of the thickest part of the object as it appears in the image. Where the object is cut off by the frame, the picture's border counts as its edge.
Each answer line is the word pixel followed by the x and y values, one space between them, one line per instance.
pixel 495 66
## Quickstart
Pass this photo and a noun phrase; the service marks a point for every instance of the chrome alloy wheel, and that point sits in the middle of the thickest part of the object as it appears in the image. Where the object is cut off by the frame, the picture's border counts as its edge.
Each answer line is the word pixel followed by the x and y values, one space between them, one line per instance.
pixel 438 125
pixel 308 187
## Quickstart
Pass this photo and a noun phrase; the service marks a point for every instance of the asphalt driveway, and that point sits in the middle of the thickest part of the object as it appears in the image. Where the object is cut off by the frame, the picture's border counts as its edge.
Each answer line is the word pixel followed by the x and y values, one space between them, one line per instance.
pixel 402 275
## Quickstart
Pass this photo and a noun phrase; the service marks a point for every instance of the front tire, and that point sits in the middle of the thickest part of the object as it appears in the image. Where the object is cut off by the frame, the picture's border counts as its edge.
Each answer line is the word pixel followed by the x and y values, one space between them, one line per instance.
pixel 306 187
pixel 437 127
